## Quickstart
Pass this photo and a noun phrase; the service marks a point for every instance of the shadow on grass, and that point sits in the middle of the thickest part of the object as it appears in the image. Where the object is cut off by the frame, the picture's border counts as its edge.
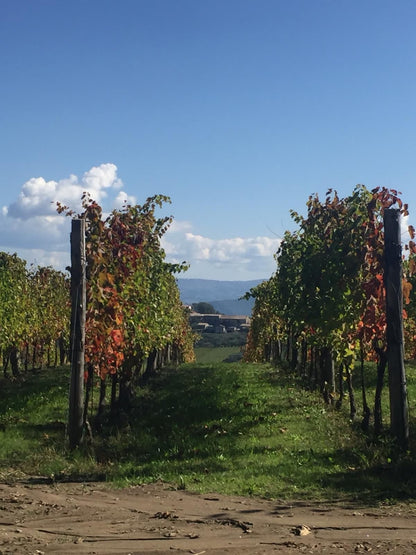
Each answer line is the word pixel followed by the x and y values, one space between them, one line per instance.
pixel 379 483
pixel 192 417
pixel 198 421
pixel 17 393
pixel 181 412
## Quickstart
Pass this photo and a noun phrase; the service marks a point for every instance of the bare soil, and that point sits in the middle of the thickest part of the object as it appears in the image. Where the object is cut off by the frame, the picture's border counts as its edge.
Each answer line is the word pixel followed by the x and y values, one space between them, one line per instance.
pixel 156 519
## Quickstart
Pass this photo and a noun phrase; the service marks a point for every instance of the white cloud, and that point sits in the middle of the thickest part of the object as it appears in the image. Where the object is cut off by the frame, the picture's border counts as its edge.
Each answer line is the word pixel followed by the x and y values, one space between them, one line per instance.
pixel 31 227
pixel 38 197
pixel 234 258
pixel 40 257
pixel 180 226
pixel 404 228
pixel 34 232
pixel 222 250
pixel 101 177
pixel 123 198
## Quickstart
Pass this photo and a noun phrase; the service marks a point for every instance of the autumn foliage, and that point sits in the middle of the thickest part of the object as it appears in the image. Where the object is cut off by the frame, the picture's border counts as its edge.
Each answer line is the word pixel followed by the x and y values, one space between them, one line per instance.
pixel 135 320
pixel 324 307
pixel 34 315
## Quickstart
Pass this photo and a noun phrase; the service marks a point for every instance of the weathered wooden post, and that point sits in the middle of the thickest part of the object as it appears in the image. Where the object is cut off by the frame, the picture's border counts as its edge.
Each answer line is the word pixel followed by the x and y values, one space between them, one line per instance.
pixel 78 296
pixel 394 316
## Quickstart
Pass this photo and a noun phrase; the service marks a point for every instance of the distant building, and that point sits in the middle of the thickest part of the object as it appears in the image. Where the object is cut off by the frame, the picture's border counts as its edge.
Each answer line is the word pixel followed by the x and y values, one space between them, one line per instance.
pixel 218 323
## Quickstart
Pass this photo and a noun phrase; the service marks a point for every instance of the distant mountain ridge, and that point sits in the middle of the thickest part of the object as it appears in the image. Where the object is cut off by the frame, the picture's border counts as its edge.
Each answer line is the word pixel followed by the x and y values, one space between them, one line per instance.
pixel 223 295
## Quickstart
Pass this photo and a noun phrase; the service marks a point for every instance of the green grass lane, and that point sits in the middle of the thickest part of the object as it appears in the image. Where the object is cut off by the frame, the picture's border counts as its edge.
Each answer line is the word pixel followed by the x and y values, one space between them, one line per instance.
pixel 222 427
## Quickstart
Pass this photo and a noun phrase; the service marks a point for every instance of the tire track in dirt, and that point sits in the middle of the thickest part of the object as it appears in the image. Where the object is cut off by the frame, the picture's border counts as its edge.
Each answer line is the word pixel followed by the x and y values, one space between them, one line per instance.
pixel 156 519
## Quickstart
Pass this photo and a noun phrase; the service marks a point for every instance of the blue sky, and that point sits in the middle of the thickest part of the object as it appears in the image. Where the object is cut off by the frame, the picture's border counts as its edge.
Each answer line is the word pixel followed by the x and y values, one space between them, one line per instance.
pixel 236 109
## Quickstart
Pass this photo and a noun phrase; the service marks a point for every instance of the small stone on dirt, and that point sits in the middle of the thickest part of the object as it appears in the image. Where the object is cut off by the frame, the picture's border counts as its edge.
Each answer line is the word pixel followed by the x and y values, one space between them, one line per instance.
pixel 301 530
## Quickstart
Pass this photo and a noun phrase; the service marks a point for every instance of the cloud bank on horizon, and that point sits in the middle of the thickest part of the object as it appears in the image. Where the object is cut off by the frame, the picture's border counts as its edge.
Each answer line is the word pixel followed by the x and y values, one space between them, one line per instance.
pixel 31 227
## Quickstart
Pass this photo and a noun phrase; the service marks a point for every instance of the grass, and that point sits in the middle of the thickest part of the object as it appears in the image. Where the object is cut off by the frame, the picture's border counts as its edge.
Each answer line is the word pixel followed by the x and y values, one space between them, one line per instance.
pixel 207 355
pixel 226 427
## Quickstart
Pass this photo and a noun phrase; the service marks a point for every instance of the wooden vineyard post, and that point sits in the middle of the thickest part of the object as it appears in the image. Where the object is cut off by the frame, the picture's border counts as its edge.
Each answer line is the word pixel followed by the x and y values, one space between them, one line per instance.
pixel 78 308
pixel 394 317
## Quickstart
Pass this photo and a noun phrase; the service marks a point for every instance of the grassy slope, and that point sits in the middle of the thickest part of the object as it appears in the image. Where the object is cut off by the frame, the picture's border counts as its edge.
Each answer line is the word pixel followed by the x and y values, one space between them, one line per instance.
pixel 225 427
pixel 206 355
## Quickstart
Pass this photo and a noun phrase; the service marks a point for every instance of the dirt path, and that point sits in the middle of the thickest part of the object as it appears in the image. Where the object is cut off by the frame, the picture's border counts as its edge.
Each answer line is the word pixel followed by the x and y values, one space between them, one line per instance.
pixel 155 519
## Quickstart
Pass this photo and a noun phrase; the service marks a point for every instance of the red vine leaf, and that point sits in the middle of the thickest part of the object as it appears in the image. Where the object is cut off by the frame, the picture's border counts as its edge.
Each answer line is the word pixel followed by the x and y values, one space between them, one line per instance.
pixel 407 287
